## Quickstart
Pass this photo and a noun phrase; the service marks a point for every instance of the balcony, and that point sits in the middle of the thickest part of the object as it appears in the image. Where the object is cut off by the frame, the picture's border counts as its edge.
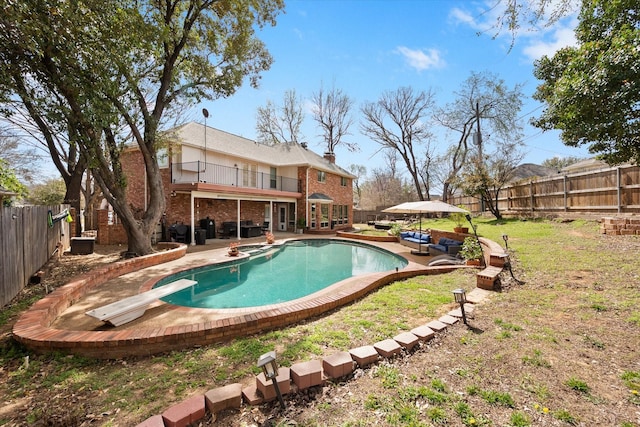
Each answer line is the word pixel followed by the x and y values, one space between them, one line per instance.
pixel 201 172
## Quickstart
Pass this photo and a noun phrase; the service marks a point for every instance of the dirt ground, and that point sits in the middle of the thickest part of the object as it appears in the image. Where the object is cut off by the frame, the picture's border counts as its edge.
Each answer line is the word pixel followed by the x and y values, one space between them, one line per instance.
pixel 529 341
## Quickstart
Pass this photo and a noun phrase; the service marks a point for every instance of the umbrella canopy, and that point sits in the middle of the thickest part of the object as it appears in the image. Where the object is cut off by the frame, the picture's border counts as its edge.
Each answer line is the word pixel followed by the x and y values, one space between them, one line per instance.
pixel 424 207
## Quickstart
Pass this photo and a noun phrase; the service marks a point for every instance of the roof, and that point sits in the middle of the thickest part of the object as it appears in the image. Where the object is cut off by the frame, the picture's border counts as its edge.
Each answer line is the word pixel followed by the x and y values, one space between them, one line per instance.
pixel 585 165
pixel 530 170
pixel 5 192
pixel 222 142
pixel 320 197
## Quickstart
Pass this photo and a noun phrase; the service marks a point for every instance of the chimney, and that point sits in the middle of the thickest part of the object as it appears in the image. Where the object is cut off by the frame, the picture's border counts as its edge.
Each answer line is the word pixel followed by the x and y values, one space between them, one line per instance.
pixel 330 156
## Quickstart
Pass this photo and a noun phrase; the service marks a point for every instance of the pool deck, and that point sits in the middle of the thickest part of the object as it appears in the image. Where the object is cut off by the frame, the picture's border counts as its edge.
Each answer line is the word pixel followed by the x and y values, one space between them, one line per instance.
pixel 59 322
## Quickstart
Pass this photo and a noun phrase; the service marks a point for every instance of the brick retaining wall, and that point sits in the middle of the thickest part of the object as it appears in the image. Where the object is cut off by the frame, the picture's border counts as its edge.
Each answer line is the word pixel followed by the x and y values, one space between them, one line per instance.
pixel 620 226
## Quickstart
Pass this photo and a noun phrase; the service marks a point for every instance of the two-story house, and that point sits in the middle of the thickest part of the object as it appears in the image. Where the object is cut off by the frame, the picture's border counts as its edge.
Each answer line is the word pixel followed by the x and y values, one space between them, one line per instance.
pixel 214 177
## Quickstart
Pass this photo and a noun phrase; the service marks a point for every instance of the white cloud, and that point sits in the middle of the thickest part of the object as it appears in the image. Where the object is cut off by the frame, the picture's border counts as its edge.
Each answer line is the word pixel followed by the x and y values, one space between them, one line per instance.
pixel 533 41
pixel 422 59
pixel 559 38
pixel 479 21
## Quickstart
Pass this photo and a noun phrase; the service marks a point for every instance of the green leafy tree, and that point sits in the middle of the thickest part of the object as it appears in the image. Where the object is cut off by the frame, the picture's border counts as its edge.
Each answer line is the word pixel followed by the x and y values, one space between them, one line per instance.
pixel 558 163
pixel 592 91
pixel 113 73
pixel 51 192
pixel 10 182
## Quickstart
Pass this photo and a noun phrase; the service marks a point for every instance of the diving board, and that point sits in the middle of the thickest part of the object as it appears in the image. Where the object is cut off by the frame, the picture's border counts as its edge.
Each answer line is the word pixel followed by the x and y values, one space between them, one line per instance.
pixel 128 309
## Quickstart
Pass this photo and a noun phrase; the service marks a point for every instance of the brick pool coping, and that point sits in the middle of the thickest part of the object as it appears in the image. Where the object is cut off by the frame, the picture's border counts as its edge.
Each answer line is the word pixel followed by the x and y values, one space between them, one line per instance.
pixel 33 329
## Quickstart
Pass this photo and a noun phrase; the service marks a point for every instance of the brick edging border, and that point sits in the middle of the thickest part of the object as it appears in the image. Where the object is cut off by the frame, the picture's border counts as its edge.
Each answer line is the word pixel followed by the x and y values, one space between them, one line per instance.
pixel 33 329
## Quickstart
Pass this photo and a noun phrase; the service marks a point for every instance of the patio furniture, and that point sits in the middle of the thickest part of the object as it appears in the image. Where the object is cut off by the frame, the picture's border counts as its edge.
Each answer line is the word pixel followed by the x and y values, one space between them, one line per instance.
pixel 249 229
pixel 445 246
pixel 415 239
pixel 229 228
pixel 181 233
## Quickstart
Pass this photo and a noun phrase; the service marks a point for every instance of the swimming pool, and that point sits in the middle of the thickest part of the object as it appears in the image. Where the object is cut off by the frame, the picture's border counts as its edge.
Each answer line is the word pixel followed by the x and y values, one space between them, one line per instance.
pixel 275 274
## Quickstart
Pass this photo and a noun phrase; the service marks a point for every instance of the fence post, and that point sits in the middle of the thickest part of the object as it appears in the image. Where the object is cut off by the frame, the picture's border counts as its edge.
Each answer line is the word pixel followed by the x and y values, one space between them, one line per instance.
pixel 619 188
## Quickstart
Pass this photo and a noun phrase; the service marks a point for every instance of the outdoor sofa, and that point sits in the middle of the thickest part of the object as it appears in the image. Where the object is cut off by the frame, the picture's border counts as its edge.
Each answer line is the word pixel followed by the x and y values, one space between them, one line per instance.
pixel 415 239
pixel 445 246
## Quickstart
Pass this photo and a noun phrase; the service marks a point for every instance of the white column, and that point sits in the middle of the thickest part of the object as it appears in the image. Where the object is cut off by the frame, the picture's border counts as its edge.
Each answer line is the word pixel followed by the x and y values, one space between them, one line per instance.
pixel 193 222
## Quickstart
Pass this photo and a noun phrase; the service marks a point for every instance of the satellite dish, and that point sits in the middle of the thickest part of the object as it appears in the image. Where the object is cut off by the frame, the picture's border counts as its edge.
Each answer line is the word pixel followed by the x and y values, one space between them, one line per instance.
pixel 205 113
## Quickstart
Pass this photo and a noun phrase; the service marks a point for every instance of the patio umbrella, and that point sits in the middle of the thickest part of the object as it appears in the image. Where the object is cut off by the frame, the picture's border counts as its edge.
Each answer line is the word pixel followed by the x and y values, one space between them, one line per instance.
pixel 424 207
pixel 421 207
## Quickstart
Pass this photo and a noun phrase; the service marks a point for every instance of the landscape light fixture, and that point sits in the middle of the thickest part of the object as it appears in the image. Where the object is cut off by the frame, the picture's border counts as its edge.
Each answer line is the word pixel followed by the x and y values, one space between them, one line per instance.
pixel 460 295
pixel 270 369
pixel 205 113
pixel 506 239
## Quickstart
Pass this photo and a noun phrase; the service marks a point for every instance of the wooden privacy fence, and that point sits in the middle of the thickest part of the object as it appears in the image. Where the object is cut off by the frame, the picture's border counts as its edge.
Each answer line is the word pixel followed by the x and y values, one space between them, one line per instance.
pixel 614 190
pixel 26 244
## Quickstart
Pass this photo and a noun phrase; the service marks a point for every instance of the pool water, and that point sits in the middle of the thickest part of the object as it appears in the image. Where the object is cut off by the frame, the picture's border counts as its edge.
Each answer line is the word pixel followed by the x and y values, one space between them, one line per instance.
pixel 280 273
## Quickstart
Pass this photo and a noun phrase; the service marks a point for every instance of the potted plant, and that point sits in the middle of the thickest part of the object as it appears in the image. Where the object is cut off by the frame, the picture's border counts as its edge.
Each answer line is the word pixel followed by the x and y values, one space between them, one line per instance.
pixel 459 218
pixel 233 249
pixel 395 230
pixel 301 224
pixel 270 237
pixel 471 251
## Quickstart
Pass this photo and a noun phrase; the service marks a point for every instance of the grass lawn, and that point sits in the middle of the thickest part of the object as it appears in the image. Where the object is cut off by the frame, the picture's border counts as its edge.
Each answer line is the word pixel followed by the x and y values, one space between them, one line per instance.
pixel 561 349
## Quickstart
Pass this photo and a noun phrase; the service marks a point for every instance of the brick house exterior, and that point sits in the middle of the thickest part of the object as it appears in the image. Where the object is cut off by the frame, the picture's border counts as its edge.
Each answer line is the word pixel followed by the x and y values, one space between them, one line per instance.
pixel 214 177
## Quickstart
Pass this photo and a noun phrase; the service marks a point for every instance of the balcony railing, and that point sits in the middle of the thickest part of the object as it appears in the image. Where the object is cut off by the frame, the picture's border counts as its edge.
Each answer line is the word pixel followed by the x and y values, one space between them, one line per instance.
pixel 210 173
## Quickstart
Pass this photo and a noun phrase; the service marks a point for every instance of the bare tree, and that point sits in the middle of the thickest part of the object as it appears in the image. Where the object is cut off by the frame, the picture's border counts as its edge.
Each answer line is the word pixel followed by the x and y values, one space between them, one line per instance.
pixel 331 110
pixel 485 176
pixel 280 124
pixel 359 171
pixel 398 121
pixel 483 106
pixel 22 158
pixel 385 187
pixel 426 169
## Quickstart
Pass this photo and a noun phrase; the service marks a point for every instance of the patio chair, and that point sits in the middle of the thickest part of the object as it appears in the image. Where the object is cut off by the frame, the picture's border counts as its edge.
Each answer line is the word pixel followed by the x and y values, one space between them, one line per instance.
pixel 181 233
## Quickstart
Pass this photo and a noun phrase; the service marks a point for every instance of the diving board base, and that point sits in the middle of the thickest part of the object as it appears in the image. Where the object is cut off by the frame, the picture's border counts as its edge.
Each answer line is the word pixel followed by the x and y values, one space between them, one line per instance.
pixel 128 309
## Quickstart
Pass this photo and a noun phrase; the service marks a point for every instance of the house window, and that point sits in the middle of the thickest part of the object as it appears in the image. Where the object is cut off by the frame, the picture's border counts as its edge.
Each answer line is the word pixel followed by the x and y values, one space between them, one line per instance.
pixel 335 217
pixel 324 215
pixel 322 176
pixel 313 216
pixel 273 181
pixel 249 175
pixel 340 214
pixel 343 181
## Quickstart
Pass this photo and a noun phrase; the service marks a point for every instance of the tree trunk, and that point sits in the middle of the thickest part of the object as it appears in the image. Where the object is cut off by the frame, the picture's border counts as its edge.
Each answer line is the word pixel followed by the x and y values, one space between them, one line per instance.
pixel 72 196
pixel 445 192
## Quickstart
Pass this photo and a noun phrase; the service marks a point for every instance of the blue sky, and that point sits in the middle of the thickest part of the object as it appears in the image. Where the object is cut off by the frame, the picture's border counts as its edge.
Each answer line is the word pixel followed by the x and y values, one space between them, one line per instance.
pixel 366 47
